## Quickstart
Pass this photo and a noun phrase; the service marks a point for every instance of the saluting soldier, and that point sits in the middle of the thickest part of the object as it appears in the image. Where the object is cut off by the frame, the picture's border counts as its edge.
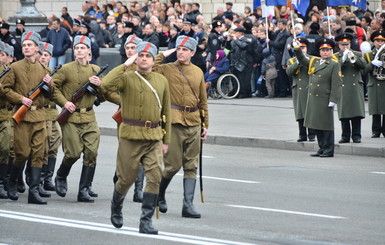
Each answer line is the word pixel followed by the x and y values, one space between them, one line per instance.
pixel 29 134
pixel 81 133
pixel 144 134
pixel 300 76
pixel 188 104
pixel 324 84
pixel 376 87
pixel 351 104
pixel 5 126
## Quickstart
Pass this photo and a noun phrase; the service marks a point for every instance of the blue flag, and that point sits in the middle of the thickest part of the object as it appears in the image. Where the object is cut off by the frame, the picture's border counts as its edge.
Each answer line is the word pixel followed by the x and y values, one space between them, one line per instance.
pixel 257 3
pixel 301 6
pixel 358 3
pixel 275 2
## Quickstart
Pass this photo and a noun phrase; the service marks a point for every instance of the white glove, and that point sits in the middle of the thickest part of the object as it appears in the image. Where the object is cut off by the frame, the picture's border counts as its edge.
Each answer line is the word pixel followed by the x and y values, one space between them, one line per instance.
pixel 351 57
pixel 296 44
pixel 377 63
pixel 345 55
pixel 331 104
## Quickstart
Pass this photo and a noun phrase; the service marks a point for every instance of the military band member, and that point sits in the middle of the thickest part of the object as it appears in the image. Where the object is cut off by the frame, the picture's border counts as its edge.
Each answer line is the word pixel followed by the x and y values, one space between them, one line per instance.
pixel 324 84
pixel 351 104
pixel 188 100
pixel 376 87
pixel 81 133
pixel 30 133
pixel 145 100
pixel 300 91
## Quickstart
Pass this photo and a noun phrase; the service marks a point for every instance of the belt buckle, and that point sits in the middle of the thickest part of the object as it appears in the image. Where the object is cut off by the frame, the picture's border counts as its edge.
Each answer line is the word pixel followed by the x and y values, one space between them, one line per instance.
pixel 147 124
pixel 83 110
pixel 33 108
pixel 187 108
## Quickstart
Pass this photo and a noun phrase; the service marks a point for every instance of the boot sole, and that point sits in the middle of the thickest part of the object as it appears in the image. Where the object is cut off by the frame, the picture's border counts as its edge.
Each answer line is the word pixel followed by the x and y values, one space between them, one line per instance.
pixel 39 203
pixel 149 233
pixel 191 216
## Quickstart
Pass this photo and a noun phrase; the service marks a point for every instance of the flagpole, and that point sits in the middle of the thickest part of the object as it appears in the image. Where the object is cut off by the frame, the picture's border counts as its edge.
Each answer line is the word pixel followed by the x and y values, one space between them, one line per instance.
pixel 263 3
pixel 327 12
pixel 292 23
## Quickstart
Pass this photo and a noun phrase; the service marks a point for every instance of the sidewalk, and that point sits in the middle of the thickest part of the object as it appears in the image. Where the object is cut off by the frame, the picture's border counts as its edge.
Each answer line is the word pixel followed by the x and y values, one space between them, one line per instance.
pixel 265 123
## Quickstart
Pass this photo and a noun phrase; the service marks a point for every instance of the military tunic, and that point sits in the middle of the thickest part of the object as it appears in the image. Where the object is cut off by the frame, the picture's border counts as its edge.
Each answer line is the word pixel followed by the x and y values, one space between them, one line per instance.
pixel 376 88
pixel 351 103
pixel 5 125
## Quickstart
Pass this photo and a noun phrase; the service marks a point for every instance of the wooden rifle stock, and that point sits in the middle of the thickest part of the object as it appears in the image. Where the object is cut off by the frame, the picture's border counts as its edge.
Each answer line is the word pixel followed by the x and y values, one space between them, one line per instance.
pixel 22 111
pixel 62 118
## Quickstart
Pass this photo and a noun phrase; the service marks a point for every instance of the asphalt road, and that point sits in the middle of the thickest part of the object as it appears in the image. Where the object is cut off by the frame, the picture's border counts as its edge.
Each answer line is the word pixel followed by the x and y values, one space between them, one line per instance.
pixel 252 196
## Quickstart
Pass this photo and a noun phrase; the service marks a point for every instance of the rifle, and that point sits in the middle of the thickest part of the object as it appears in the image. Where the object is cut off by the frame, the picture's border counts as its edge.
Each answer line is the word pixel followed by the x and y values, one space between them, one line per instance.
pixel 200 157
pixel 88 87
pixel 42 87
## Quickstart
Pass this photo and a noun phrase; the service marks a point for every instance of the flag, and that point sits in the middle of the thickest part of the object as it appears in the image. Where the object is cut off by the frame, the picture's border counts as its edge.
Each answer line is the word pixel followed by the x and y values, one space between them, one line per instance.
pixel 256 4
pixel 358 3
pixel 275 2
pixel 268 11
pixel 301 6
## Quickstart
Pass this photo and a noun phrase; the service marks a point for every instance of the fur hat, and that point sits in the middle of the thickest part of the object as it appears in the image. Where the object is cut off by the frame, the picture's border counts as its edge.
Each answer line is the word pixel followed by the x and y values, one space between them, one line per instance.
pixel 31 35
pixel 147 47
pixel 82 39
pixel 47 47
pixel 188 42
pixel 132 39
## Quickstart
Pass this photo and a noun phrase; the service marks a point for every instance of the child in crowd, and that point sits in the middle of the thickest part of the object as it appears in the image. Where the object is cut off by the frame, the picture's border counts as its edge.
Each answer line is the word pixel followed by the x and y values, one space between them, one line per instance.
pixel 269 71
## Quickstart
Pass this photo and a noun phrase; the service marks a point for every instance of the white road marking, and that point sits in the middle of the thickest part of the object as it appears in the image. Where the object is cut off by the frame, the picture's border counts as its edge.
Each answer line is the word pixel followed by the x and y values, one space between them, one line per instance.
pixel 208 157
pixel 288 212
pixel 167 236
pixel 378 172
pixel 231 180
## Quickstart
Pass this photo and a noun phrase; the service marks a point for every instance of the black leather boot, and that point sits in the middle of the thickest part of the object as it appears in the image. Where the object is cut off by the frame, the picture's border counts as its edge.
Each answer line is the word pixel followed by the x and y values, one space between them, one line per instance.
pixel 12 192
pixel 116 209
pixel 27 171
pixel 84 185
pixel 356 130
pixel 148 209
pixel 33 193
pixel 48 184
pixel 21 184
pixel 345 126
pixel 90 191
pixel 188 209
pixel 302 131
pixel 3 173
pixel 138 191
pixel 42 192
pixel 61 179
pixel 162 192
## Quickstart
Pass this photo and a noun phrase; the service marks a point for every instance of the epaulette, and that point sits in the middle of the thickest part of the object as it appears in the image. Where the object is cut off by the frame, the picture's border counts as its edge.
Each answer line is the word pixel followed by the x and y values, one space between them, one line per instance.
pixel 311 68
pixel 334 58
pixel 367 55
pixel 292 61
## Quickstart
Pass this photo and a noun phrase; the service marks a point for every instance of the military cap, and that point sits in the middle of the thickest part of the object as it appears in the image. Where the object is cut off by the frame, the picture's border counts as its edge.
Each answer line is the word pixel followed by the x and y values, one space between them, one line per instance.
pixel 175 27
pixel 147 47
pixel 4 25
pixel 84 24
pixel 378 35
pixel 31 35
pixel 188 42
pixel 82 39
pixel 9 50
pixel 239 29
pixel 128 24
pixel 345 38
pixel 303 42
pixel 76 22
pixel 47 47
pixel 20 21
pixel 186 22
pixel 324 43
pixel 2 47
pixel 132 39
pixel 215 24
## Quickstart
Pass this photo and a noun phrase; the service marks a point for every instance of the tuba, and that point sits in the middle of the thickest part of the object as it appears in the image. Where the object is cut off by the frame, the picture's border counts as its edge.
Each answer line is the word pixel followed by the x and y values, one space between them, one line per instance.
pixel 379 72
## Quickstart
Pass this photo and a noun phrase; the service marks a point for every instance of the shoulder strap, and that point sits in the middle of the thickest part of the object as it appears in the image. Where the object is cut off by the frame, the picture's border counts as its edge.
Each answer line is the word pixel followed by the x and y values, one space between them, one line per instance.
pixel 151 87
pixel 311 68
pixel 188 81
pixel 367 55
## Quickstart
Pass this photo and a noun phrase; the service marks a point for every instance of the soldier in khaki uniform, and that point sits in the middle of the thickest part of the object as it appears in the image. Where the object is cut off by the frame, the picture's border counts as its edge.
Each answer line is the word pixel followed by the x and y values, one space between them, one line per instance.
pixel 324 91
pixel 145 101
pixel 30 133
pixel 188 100
pixel 351 104
pixel 5 127
pixel 376 87
pixel 81 133
pixel 300 76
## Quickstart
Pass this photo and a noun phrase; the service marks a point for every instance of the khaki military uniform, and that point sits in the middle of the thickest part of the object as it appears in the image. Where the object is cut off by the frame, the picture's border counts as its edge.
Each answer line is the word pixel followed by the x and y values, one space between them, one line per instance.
pixel 351 104
pixel 376 97
pixel 186 118
pixel 5 125
pixel 140 144
pixel 29 135
pixel 324 87
pixel 300 76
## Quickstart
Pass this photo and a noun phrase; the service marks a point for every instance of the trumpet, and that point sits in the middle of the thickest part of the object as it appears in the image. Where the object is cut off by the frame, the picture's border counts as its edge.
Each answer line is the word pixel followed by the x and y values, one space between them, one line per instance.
pixel 379 72
pixel 352 57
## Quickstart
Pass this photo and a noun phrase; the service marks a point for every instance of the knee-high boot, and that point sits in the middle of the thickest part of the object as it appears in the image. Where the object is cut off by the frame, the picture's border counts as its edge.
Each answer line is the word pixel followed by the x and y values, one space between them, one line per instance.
pixel 90 191
pixel 148 209
pixel 84 185
pixel 188 209
pixel 162 192
pixel 116 209
pixel 48 185
pixel 12 192
pixel 61 179
pixel 302 131
pixel 33 193
pixel 3 173
pixel 42 192
pixel 138 191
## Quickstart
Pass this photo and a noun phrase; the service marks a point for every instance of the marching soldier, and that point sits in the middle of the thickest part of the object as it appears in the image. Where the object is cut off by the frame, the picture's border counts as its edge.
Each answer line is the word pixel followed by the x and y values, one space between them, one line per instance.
pixel 29 134
pixel 300 91
pixel 324 83
pixel 351 104
pixel 81 133
pixel 188 104
pixel 144 134
pixel 376 87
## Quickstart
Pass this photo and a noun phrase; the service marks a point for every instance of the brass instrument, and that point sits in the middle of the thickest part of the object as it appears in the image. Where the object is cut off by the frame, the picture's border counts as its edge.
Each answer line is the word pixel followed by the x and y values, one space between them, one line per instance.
pixel 379 72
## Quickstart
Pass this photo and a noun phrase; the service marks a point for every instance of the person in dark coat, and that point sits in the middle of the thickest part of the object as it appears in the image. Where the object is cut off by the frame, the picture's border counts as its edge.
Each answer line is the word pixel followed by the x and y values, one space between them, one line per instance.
pixel 9 38
pixel 151 35
pixel 215 40
pixel 128 30
pixel 220 65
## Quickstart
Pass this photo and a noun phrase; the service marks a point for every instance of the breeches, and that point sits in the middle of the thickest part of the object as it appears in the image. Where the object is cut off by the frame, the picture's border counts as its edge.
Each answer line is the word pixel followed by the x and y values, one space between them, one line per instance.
pixel 5 142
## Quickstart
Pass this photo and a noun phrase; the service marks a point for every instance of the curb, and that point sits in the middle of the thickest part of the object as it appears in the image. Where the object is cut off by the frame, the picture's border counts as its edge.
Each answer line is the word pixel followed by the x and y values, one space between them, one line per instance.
pixel 345 149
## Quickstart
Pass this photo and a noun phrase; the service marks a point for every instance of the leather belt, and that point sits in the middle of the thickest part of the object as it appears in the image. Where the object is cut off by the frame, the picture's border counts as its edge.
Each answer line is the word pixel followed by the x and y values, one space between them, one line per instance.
pixel 146 124
pixel 184 108
pixel 50 106
pixel 9 108
pixel 35 107
pixel 83 110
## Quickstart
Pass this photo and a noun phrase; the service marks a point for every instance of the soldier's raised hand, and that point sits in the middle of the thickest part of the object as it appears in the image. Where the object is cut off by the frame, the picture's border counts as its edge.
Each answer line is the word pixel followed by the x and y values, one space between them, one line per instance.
pixel 168 52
